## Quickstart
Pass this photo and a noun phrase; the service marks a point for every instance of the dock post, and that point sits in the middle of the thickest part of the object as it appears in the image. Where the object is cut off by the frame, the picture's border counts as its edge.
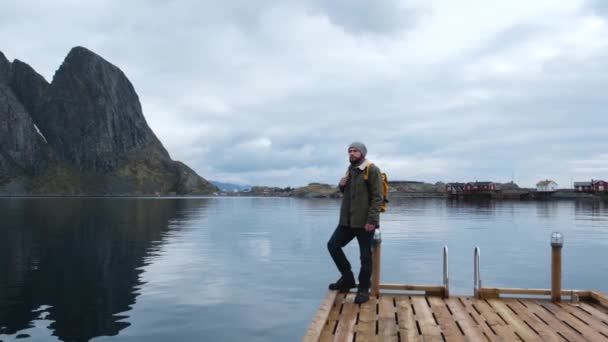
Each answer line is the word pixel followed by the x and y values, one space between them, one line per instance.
pixel 376 264
pixel 557 242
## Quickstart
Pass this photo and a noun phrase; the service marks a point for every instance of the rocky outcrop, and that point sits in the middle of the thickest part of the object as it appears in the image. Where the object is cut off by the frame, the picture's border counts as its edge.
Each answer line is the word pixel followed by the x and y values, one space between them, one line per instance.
pixel 92 116
pixel 507 186
pixel 189 182
pixel 85 133
pixel 317 190
pixel 416 187
pixel 28 85
pixel 22 149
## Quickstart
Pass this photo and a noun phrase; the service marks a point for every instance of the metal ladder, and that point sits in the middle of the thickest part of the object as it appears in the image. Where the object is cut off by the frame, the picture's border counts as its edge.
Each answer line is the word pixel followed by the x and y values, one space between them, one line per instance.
pixel 446 279
pixel 476 274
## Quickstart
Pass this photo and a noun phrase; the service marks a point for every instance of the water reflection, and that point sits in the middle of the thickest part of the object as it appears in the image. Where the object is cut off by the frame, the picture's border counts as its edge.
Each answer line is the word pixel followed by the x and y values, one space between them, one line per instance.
pixel 77 263
pixel 590 208
pixel 256 269
pixel 479 206
pixel 547 209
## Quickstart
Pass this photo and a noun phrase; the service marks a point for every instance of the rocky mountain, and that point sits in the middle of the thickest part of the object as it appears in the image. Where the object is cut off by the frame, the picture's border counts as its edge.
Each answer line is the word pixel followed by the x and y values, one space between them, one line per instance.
pixel 84 133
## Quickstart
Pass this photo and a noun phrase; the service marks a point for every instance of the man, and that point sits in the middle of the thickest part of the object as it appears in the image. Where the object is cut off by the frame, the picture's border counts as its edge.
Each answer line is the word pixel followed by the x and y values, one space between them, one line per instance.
pixel 359 217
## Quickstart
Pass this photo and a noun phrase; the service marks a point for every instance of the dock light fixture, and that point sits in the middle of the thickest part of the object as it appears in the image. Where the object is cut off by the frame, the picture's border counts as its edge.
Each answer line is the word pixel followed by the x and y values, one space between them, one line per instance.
pixel 557 239
pixel 377 236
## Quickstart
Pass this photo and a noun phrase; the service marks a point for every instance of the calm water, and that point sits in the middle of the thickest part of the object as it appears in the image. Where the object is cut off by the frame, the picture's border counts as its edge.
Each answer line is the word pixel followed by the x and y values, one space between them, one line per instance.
pixel 231 269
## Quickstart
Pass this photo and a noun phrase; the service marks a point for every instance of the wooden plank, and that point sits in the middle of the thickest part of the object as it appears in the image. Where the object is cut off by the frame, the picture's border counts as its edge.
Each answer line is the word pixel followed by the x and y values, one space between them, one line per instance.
pixel 488 293
pixel 472 331
pixel 527 291
pixel 405 287
pixel 600 297
pixel 387 326
pixel 447 323
pixel 590 320
pixel 334 317
pixel 545 331
pixel 407 323
pixel 366 327
pixel 598 307
pixel 551 321
pixel 479 318
pixel 345 329
pixel 599 314
pixel 519 327
pixel 587 332
pixel 327 335
pixel 424 316
pixel 495 321
pixel 334 314
pixel 318 323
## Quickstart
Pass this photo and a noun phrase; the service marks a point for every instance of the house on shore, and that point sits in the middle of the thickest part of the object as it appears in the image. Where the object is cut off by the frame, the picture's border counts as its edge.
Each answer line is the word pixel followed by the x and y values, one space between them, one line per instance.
pixel 595 185
pixel 546 186
pixel 599 185
pixel 583 186
pixel 479 187
pixel 471 190
pixel 454 188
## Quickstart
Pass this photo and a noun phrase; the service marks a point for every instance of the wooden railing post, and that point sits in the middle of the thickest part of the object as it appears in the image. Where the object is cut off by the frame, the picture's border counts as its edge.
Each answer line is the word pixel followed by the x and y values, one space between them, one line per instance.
pixel 557 242
pixel 376 264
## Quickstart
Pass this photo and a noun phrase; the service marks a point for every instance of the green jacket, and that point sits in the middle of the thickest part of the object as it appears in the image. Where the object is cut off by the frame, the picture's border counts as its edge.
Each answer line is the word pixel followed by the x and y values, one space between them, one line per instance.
pixel 362 199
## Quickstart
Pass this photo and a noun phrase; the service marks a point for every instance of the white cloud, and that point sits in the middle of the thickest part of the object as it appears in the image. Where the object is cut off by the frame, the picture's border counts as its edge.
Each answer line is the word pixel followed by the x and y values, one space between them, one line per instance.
pixel 272 92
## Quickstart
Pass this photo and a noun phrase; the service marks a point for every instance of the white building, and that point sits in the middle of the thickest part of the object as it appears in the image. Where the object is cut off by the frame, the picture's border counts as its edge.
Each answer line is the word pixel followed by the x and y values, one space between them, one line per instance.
pixel 546 186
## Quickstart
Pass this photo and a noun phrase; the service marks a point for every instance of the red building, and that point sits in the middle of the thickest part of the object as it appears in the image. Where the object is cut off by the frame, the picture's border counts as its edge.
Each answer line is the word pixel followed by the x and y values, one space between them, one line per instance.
pixel 479 187
pixel 596 185
pixel 599 185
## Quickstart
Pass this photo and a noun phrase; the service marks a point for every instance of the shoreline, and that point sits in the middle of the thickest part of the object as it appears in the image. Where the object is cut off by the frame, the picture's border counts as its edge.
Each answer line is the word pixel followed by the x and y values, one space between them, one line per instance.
pixel 523 196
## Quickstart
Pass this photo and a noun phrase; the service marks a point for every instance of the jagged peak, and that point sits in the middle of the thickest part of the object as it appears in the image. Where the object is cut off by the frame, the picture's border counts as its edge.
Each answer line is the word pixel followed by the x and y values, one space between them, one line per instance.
pixel 20 67
pixel 80 52
pixel 79 55
pixel 21 63
pixel 3 58
pixel 83 62
pixel 5 67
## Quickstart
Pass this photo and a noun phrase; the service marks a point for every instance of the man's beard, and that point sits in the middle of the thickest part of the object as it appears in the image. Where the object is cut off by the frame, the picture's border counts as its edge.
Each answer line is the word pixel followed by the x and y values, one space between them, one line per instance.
pixel 355 161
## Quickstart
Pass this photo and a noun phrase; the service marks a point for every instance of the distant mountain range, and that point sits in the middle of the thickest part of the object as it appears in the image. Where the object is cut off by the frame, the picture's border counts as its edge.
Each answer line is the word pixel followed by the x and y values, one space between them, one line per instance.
pixel 229 187
pixel 82 134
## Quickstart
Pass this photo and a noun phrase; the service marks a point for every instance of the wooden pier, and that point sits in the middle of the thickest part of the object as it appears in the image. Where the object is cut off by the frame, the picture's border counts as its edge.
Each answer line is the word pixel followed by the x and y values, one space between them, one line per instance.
pixel 419 317
pixel 399 312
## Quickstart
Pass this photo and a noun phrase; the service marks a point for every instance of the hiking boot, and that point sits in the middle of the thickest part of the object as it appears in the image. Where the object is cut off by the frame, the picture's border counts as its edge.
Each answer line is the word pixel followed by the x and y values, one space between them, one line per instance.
pixel 362 296
pixel 343 285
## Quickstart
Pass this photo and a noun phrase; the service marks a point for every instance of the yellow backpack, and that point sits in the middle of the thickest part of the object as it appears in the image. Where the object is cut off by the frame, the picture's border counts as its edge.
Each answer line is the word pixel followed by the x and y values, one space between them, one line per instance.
pixel 384 205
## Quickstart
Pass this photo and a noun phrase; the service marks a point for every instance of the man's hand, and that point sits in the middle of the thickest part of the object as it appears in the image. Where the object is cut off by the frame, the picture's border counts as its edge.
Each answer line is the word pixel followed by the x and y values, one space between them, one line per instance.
pixel 343 181
pixel 369 227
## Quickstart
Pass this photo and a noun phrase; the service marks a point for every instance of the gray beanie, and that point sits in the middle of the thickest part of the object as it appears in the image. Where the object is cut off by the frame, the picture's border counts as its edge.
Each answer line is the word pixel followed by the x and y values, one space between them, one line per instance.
pixel 359 146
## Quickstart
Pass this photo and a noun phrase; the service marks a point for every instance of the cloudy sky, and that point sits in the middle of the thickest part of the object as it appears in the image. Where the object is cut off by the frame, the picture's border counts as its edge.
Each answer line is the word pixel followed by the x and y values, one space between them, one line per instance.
pixel 271 92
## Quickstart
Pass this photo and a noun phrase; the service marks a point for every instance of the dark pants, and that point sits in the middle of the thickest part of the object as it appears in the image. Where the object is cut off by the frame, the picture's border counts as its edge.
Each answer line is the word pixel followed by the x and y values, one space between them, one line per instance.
pixel 341 237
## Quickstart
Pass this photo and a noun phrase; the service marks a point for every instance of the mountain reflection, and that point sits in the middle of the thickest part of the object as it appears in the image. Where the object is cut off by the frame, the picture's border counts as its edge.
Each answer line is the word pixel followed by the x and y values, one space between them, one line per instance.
pixel 80 260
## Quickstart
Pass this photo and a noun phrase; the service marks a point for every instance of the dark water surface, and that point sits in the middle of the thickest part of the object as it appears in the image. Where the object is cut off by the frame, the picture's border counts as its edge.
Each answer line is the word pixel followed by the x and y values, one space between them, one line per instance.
pixel 232 269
